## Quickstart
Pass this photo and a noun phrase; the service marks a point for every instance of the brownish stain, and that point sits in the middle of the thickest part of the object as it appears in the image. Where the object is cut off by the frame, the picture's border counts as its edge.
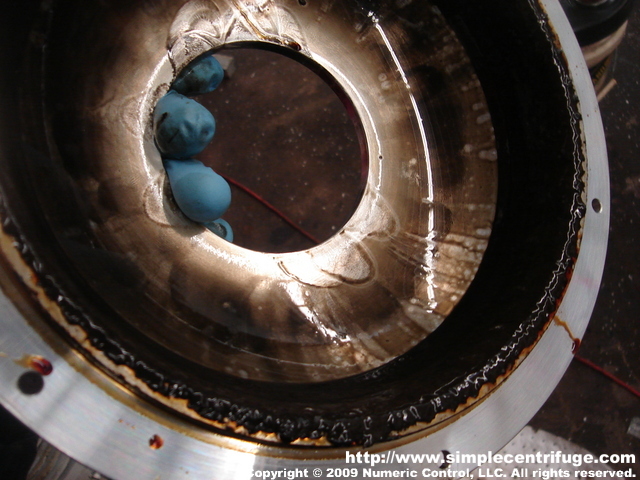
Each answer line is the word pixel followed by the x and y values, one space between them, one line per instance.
pixel 156 442
pixel 576 341
pixel 37 363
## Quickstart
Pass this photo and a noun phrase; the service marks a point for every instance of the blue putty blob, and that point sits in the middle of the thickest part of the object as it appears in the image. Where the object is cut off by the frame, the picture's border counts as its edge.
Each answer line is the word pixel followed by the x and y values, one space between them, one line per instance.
pixel 200 193
pixel 203 75
pixel 221 228
pixel 183 127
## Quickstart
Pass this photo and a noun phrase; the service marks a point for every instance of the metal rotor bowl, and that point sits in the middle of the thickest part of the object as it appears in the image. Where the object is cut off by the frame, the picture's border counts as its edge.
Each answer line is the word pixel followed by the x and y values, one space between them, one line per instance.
pixel 460 285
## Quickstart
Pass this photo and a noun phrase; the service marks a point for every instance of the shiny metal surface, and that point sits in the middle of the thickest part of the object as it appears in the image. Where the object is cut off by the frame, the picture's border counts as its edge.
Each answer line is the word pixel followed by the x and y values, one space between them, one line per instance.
pixel 129 425
pixel 362 298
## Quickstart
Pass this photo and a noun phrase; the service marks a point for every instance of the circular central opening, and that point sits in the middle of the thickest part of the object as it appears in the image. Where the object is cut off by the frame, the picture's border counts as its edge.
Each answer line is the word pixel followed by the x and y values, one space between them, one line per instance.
pixel 290 148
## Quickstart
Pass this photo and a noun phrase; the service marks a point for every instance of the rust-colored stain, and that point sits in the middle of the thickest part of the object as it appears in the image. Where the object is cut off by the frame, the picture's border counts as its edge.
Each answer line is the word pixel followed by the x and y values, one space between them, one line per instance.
pixel 156 442
pixel 123 422
pixel 36 363
pixel 40 365
pixel 576 341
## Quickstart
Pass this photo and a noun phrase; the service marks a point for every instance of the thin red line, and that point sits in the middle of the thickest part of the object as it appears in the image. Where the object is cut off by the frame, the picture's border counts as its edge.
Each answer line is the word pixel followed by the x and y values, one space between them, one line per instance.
pixel 274 209
pixel 610 376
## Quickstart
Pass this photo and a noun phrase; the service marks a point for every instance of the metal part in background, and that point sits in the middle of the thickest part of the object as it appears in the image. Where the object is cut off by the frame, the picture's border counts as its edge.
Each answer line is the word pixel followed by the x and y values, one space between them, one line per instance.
pixel 593 21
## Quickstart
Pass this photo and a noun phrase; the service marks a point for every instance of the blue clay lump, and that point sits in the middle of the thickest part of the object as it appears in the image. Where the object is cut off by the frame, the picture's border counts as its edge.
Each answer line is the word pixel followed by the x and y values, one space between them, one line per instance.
pixel 203 75
pixel 183 127
pixel 201 193
pixel 221 228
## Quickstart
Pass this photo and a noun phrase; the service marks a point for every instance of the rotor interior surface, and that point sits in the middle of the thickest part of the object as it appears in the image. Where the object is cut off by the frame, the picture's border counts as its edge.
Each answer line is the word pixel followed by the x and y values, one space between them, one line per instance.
pixel 404 317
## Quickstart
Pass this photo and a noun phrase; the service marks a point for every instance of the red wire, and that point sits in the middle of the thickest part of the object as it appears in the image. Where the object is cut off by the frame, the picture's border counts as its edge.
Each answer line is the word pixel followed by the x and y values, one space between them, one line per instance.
pixel 610 376
pixel 294 225
pixel 274 209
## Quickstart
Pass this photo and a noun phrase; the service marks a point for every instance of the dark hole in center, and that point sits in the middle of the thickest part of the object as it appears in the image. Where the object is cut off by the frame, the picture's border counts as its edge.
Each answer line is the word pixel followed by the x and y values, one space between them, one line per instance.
pixel 284 138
